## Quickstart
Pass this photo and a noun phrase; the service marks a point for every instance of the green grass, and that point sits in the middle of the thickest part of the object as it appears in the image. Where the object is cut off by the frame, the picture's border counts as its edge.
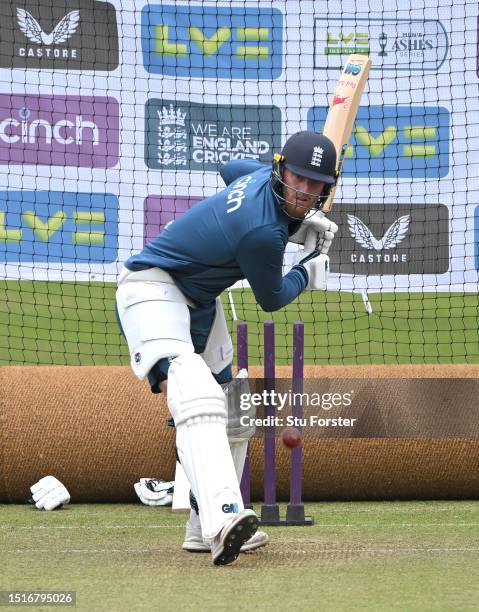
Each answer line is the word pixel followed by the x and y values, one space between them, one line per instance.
pixel 358 556
pixel 74 324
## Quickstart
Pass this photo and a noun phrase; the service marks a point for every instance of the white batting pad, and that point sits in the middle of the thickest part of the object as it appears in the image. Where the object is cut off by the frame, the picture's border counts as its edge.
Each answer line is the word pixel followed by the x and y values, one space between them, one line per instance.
pixel 239 449
pixel 181 494
pixel 198 407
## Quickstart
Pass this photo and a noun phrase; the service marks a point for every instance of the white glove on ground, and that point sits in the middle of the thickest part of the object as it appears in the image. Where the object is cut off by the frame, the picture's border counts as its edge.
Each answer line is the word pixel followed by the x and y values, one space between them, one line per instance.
pixel 155 491
pixel 49 493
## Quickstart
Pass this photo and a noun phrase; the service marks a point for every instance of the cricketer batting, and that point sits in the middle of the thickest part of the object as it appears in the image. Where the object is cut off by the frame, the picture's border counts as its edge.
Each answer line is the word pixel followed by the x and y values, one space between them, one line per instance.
pixel 171 315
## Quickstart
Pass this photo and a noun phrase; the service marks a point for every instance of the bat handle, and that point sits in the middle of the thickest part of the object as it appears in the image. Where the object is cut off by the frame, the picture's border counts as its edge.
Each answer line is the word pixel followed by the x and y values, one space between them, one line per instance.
pixel 311 240
pixel 329 203
pixel 341 160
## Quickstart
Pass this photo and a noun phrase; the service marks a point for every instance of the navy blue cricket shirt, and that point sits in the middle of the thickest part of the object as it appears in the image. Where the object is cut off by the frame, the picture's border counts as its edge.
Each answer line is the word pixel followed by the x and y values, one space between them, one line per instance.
pixel 239 233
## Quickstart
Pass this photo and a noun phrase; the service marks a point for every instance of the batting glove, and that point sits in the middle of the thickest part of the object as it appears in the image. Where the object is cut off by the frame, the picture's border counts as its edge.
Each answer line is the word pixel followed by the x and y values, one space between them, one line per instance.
pixel 316 268
pixel 155 491
pixel 49 493
pixel 316 233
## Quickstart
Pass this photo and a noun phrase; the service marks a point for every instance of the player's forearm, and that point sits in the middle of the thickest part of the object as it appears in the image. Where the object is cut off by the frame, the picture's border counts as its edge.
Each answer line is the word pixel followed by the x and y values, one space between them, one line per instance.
pixel 270 299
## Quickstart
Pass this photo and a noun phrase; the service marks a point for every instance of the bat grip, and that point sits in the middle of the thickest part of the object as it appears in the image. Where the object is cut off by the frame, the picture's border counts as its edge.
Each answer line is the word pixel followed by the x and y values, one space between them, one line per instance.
pixel 311 240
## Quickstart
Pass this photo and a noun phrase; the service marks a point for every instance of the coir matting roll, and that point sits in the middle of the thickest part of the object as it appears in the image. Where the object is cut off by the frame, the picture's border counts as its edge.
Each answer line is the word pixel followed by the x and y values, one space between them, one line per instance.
pixel 415 433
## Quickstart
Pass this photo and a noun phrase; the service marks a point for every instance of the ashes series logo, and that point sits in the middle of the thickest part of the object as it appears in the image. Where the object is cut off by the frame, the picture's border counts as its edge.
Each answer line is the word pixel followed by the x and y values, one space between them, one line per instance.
pixel 212 42
pixel 83 36
pixel 394 141
pixel 391 239
pixel 413 45
pixel 190 136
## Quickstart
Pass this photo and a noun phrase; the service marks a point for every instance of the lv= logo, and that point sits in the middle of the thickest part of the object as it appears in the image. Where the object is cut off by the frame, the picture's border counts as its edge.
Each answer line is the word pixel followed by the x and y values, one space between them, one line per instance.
pixel 376 145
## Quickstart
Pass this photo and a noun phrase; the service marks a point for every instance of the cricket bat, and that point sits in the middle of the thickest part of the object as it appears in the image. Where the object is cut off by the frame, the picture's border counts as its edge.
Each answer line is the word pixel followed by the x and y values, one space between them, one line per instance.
pixel 344 108
pixel 340 120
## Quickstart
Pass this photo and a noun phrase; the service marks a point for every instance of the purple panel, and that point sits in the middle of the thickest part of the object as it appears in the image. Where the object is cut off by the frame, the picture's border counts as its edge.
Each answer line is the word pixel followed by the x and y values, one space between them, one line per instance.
pixel 269 432
pixel 297 411
pixel 80 131
pixel 245 486
pixel 242 355
pixel 161 210
pixel 242 345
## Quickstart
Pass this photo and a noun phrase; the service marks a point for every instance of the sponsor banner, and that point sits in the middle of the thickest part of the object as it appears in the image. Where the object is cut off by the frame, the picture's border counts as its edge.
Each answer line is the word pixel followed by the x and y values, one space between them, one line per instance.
pixel 212 42
pixel 391 239
pixel 477 48
pixel 476 235
pixel 81 131
pixel 161 210
pixel 190 136
pixel 395 141
pixel 373 239
pixel 412 45
pixel 58 227
pixel 76 35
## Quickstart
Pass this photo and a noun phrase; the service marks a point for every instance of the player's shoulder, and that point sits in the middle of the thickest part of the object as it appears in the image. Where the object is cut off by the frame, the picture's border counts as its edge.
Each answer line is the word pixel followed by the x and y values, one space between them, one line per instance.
pixel 237 168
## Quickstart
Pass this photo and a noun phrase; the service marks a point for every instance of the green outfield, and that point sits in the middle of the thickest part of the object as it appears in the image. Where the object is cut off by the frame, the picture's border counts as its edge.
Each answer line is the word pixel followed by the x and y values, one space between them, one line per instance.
pixel 358 556
pixel 74 324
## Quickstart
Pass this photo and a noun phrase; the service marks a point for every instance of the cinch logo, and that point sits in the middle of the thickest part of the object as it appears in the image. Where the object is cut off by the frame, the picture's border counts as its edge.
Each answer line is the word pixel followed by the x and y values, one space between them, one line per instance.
pixel 376 239
pixel 64 132
pixel 202 137
pixel 59 130
pixel 58 227
pixel 230 508
pixel 395 141
pixel 353 69
pixel 235 195
pixel 412 45
pixel 85 38
pixel 212 42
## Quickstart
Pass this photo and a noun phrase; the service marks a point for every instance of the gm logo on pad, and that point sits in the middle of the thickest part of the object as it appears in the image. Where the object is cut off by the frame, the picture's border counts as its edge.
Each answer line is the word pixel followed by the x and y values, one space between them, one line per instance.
pixel 230 508
pixel 395 141
pixel 212 42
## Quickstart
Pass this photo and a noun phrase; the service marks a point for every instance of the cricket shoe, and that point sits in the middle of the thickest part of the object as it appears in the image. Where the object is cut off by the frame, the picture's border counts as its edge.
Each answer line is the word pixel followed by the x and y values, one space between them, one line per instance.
pixel 226 546
pixel 194 541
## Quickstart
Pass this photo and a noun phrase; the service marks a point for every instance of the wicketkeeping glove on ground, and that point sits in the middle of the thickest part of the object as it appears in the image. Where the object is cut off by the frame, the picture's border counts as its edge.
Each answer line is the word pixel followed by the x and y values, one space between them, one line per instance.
pixel 155 491
pixel 49 493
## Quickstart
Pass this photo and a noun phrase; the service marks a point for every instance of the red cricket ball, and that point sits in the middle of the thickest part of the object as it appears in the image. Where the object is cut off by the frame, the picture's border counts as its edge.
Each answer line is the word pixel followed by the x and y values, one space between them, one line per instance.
pixel 292 437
